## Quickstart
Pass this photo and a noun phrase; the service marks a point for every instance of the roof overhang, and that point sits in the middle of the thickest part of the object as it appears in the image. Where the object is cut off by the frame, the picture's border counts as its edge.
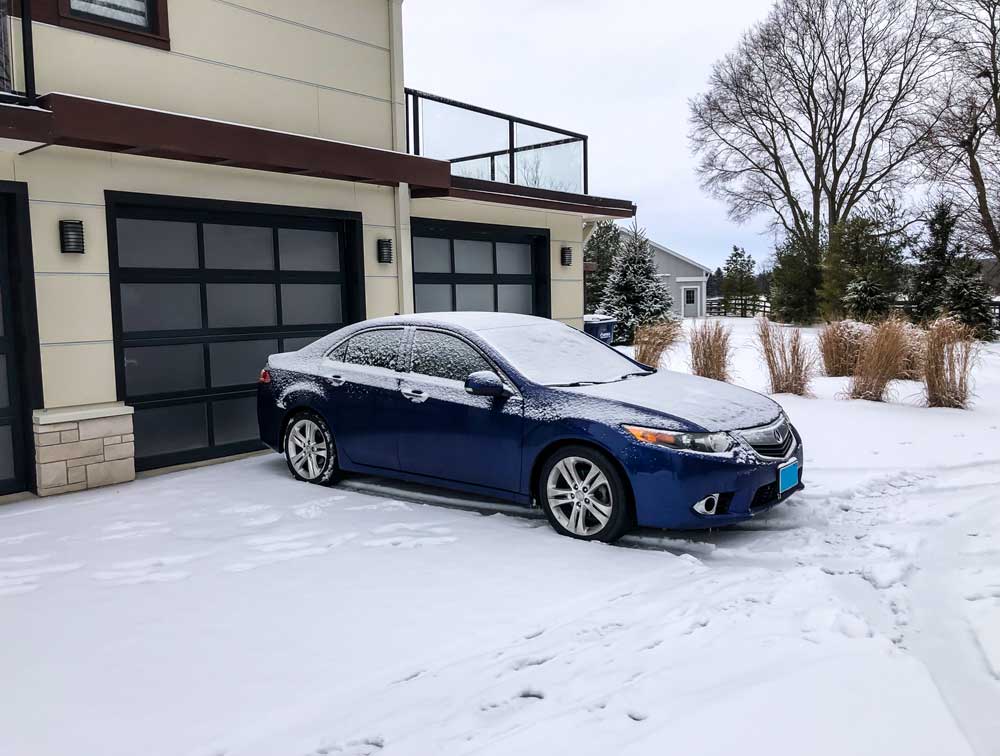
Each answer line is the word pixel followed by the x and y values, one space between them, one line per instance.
pixel 72 121
pixel 526 196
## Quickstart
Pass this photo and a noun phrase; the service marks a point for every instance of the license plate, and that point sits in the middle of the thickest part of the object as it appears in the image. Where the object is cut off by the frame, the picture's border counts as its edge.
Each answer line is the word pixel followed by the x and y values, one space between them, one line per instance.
pixel 788 476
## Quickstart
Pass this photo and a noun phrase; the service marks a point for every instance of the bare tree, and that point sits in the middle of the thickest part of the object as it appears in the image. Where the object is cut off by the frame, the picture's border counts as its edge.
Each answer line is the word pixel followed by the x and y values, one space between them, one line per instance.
pixel 964 153
pixel 820 108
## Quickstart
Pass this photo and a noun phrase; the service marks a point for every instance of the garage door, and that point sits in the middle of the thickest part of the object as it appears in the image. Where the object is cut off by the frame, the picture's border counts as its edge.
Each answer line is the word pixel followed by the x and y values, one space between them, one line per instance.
pixel 468 266
pixel 202 296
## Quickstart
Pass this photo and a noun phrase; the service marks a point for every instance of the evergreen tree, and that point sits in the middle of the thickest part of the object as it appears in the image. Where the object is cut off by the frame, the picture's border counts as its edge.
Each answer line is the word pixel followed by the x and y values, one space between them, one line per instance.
pixel 713 285
pixel 634 295
pixel 795 282
pixel 935 260
pixel 601 248
pixel 739 285
pixel 868 301
pixel 967 298
pixel 862 249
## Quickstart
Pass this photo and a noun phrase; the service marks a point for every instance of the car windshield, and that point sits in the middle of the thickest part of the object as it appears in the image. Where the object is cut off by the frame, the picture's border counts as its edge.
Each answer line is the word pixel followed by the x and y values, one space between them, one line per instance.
pixel 555 354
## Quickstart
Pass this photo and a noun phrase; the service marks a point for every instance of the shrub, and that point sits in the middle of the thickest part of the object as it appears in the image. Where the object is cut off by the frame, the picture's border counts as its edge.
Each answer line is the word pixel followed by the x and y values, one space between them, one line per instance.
pixel 879 361
pixel 790 361
pixel 951 352
pixel 710 350
pixel 912 367
pixel 839 345
pixel 656 339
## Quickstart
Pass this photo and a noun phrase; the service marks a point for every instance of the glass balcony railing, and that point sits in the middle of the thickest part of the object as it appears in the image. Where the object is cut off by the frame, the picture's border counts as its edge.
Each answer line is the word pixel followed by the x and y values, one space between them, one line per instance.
pixel 17 61
pixel 484 144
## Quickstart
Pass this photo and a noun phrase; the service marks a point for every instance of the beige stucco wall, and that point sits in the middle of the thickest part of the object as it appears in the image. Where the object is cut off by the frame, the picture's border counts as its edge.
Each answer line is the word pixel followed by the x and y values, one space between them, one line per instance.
pixel 317 67
pixel 565 230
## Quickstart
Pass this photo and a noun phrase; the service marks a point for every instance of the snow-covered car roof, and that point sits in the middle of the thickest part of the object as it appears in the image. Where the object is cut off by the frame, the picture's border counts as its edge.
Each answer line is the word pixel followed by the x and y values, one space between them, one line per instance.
pixel 470 321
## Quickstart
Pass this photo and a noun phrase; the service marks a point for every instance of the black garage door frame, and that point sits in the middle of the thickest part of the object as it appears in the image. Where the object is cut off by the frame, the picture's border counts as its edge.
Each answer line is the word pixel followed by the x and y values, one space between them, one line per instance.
pixel 19 340
pixel 537 238
pixel 125 205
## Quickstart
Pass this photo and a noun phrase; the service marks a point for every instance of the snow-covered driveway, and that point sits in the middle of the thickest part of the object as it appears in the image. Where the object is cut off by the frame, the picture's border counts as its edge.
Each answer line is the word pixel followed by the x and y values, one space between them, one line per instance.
pixel 230 610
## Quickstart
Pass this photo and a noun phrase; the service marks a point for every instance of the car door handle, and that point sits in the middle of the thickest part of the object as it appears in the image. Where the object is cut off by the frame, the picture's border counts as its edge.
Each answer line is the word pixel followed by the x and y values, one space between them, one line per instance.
pixel 414 395
pixel 336 380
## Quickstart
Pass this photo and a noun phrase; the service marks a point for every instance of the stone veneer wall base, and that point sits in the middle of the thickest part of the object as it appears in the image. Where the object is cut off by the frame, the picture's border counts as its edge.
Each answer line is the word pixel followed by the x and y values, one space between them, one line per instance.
pixel 73 455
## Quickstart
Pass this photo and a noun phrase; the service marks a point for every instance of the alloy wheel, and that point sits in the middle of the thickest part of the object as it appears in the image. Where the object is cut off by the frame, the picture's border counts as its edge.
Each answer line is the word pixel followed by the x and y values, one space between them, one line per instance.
pixel 308 453
pixel 579 496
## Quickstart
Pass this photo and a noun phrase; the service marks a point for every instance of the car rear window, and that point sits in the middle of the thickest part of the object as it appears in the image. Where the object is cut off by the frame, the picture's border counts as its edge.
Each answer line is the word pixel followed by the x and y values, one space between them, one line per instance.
pixel 379 348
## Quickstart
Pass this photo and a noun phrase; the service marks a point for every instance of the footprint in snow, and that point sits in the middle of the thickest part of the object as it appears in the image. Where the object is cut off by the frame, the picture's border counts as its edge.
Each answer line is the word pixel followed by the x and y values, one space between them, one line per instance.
pixel 360 747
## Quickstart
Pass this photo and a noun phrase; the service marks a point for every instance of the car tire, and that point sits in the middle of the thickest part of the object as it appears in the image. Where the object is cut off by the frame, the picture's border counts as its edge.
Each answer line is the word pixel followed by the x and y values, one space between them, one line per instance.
pixel 309 449
pixel 580 482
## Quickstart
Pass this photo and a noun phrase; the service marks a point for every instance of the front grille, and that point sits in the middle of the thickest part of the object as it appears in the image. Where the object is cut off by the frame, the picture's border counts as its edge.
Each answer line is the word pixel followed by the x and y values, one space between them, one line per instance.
pixel 775 440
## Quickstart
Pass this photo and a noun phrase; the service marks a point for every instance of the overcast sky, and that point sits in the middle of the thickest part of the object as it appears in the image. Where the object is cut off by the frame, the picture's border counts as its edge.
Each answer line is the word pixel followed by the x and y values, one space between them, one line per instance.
pixel 620 71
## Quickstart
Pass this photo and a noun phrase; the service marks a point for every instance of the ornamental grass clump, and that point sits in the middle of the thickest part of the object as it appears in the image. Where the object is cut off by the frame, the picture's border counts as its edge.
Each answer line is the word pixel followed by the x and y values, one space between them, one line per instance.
pixel 950 354
pixel 711 352
pixel 654 340
pixel 912 368
pixel 880 361
pixel 839 346
pixel 790 362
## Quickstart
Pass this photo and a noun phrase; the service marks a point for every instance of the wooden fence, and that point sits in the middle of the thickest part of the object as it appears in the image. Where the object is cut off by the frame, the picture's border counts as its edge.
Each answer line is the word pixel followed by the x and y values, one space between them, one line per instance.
pixel 738 307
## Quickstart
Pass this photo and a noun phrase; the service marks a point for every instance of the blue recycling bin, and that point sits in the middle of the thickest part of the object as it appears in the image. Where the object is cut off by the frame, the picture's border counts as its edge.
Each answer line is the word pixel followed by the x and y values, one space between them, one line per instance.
pixel 600 327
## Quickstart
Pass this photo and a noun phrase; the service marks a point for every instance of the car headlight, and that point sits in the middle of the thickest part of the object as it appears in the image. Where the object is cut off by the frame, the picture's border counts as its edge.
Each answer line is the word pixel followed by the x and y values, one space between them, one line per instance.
pixel 707 443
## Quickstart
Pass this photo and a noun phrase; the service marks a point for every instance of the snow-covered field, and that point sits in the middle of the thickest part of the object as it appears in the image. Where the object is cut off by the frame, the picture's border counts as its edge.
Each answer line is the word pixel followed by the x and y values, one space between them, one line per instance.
pixel 230 610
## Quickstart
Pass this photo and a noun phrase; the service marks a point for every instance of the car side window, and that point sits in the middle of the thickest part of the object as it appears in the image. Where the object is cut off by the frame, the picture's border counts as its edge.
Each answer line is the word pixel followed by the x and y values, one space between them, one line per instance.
pixel 340 353
pixel 442 356
pixel 378 348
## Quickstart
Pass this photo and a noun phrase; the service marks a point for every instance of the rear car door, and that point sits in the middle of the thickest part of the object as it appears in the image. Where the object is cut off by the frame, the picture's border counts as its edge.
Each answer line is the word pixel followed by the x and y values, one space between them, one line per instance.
pixel 362 376
pixel 447 433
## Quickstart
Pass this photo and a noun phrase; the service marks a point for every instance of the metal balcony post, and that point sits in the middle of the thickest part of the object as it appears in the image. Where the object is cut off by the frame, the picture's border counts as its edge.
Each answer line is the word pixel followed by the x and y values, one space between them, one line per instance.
pixel 28 53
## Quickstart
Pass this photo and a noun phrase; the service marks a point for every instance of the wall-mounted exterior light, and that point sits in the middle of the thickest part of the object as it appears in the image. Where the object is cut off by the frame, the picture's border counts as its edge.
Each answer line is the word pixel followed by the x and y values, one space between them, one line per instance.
pixel 566 256
pixel 385 250
pixel 71 237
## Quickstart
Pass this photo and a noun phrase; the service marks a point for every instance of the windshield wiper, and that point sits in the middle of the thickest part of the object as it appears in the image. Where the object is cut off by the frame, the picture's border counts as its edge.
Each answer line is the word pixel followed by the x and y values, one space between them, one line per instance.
pixel 633 375
pixel 574 384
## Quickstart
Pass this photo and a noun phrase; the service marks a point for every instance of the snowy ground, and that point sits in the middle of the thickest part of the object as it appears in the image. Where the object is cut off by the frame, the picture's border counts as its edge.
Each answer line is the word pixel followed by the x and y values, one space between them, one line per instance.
pixel 230 610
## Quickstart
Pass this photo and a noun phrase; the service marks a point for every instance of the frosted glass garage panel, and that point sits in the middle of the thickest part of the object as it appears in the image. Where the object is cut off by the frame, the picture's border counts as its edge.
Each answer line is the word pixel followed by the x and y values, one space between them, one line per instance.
pixel 515 298
pixel 304 304
pixel 474 297
pixel 473 256
pixel 157 244
pixel 513 259
pixel 238 247
pixel 431 255
pixel 160 306
pixel 241 305
pixel 163 430
pixel 236 363
pixel 304 249
pixel 235 420
pixel 164 369
pixel 6 453
pixel 432 297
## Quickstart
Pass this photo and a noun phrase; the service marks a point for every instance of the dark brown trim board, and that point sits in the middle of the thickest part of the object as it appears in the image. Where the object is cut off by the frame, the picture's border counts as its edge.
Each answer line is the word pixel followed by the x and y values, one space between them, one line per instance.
pixel 522 196
pixel 82 122
pixel 58 13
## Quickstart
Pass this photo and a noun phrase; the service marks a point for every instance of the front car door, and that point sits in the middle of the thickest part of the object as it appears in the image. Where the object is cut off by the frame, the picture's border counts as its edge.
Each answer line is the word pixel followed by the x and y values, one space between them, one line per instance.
pixel 447 433
pixel 362 376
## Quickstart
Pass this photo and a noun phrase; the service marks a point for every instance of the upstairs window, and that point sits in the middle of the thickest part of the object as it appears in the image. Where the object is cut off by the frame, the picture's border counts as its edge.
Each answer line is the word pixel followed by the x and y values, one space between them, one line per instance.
pixel 134 14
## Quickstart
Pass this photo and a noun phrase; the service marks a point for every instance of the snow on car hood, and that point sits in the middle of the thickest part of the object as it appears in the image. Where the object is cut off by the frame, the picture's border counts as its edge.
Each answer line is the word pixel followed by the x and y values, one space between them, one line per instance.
pixel 713 405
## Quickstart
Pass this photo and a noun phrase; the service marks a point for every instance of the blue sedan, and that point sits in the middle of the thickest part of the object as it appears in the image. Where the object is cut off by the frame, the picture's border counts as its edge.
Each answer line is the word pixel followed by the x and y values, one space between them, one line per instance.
pixel 532 411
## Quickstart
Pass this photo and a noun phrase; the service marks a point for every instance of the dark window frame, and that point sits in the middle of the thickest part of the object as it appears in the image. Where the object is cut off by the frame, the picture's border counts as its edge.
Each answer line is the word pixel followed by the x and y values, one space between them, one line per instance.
pixel 157 207
pixel 538 240
pixel 58 13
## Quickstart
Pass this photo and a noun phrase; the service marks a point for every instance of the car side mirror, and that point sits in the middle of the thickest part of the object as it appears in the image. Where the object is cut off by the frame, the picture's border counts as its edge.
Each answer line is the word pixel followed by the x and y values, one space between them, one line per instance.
pixel 485 383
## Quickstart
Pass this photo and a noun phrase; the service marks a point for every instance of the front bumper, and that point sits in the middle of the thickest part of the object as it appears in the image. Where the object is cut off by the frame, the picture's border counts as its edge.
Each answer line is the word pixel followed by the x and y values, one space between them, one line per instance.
pixel 666 485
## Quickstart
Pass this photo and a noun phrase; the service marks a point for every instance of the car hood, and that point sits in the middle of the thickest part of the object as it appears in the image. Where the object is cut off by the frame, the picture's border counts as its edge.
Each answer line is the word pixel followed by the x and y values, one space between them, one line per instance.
pixel 712 405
